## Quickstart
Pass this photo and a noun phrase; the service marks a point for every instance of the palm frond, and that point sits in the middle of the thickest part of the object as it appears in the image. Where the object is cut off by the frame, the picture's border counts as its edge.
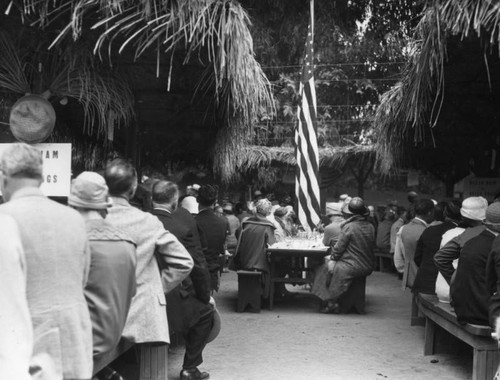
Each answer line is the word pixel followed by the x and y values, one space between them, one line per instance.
pixel 12 76
pixel 411 108
pixel 106 100
pixel 218 28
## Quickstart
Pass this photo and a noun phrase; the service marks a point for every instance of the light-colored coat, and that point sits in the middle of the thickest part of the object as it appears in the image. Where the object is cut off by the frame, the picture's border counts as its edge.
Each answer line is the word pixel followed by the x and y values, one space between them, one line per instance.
pixel 16 334
pixel 147 318
pixel 57 260
pixel 410 233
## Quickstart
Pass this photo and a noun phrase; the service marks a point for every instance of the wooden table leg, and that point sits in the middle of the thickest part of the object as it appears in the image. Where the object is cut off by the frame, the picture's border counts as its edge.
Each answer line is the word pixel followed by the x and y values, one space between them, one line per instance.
pixel 271 286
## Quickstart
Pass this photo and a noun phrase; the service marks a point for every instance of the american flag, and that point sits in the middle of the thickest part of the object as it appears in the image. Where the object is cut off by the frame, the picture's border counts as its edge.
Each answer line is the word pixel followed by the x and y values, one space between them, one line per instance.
pixel 306 144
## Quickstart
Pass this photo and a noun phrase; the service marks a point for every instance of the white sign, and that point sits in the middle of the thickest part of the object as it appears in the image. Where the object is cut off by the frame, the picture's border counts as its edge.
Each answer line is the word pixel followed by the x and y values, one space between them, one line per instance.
pixel 484 187
pixel 56 168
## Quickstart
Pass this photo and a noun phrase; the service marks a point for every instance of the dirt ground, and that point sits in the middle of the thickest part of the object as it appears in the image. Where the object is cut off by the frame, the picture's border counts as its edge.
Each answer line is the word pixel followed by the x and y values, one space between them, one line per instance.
pixel 294 341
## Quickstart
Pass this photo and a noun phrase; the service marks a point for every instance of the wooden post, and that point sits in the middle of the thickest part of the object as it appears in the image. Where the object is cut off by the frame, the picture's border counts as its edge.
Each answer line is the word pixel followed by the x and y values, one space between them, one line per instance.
pixel 430 336
pixel 153 362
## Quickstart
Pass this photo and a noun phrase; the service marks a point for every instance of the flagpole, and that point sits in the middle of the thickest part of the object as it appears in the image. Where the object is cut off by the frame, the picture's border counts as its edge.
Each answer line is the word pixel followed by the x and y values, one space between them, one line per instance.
pixel 311 6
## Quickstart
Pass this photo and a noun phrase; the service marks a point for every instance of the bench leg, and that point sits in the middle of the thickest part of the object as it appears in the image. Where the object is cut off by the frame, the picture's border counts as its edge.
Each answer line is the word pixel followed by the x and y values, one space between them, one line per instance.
pixel 381 264
pixel 430 337
pixel 153 362
pixel 485 364
pixel 416 316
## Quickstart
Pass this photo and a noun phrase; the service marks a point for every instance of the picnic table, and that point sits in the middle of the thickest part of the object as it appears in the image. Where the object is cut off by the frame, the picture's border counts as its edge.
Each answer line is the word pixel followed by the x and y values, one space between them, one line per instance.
pixel 297 255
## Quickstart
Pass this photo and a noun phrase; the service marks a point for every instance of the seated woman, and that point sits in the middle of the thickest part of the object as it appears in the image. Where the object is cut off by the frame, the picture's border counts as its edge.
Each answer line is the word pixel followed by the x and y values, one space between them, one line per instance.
pixel 352 257
pixel 255 235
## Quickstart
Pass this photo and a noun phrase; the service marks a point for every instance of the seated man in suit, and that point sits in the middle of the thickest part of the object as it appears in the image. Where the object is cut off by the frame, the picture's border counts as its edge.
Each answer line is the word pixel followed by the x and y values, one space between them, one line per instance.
pixel 213 231
pixel 188 307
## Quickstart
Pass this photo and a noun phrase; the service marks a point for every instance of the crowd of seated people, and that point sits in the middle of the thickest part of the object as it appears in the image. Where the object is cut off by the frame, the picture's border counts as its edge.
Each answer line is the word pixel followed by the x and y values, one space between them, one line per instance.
pixel 80 279
pixel 450 249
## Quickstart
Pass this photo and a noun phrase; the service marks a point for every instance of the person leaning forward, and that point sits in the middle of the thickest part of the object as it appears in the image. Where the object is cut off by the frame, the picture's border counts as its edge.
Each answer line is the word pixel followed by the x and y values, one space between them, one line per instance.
pixel 147 318
pixel 188 308
pixel 57 262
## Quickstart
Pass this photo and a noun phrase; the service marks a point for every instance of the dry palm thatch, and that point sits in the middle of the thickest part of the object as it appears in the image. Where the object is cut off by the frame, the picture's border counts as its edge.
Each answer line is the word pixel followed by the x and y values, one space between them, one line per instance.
pixel 105 99
pixel 219 28
pixel 411 108
pixel 252 157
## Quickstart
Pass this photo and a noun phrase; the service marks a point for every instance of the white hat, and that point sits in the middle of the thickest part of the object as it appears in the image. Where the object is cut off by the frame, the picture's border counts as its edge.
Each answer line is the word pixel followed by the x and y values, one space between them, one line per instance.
pixel 190 204
pixel 334 208
pixel 474 208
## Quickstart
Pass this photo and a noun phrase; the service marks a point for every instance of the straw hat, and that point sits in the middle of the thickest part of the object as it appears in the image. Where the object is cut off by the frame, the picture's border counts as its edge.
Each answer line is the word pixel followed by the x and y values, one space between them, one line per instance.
pixel 32 119
pixel 89 190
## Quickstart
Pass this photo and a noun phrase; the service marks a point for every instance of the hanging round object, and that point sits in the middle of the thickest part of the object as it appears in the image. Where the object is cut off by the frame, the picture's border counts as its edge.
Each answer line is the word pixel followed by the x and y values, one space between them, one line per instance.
pixel 32 119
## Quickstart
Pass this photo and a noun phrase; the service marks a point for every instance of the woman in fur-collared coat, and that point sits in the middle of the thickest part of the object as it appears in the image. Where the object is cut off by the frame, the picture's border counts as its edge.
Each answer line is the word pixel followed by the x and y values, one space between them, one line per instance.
pixel 352 257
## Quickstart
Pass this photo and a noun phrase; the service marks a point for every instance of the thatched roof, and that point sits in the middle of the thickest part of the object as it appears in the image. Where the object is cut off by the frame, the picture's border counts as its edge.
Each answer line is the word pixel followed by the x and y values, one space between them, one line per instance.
pixel 411 108
pixel 252 157
pixel 217 30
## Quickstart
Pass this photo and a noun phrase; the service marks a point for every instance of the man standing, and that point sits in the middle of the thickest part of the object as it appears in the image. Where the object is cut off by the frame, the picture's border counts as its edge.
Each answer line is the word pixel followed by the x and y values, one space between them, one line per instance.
pixel 111 284
pixel 147 318
pixel 188 307
pixel 57 261
pixel 213 231
pixel 410 233
pixel 16 333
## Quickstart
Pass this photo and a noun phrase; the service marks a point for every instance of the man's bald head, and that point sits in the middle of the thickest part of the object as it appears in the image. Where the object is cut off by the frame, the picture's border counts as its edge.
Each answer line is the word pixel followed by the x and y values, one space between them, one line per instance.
pixel 121 178
pixel 165 193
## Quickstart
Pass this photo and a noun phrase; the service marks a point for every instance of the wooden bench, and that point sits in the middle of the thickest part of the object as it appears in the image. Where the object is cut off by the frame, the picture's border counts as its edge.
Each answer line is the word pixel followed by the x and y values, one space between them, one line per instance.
pixel 153 359
pixel 249 291
pixel 486 354
pixel 381 257
pixel 354 298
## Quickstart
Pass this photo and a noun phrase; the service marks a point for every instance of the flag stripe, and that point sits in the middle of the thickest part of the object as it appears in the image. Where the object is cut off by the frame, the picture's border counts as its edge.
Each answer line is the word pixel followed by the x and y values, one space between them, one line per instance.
pixel 306 145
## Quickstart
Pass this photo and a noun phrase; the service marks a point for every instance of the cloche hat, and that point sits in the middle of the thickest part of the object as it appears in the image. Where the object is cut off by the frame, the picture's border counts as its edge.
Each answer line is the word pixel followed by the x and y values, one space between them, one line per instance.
pixel 356 207
pixel 89 190
pixel 334 208
pixel 474 208
pixel 493 214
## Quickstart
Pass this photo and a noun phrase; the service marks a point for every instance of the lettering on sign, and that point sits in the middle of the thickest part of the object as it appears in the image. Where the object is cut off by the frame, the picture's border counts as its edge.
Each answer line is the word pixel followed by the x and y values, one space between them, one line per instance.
pixel 481 187
pixel 56 168
pixel 47 155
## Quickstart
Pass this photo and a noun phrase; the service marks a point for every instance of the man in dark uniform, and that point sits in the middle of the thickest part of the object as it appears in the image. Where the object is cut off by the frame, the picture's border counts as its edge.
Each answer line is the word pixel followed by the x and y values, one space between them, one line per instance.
pixel 213 231
pixel 188 308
